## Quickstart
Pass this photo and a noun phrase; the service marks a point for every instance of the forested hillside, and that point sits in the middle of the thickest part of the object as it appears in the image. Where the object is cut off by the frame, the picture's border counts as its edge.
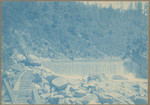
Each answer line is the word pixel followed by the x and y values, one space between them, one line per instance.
pixel 69 30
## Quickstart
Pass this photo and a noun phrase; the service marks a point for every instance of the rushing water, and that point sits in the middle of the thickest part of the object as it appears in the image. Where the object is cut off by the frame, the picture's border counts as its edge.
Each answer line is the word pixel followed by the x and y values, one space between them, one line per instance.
pixel 85 68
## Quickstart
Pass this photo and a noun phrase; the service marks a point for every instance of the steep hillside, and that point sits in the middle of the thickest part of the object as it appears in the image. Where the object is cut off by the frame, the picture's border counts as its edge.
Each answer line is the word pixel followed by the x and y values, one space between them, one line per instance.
pixel 70 30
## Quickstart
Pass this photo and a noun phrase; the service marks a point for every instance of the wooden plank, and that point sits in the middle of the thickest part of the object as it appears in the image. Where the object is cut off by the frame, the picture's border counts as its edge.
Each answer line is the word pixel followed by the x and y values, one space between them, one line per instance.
pixel 8 89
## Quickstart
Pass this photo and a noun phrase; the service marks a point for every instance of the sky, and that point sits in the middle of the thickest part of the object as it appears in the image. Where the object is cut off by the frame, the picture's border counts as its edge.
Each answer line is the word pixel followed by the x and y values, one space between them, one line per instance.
pixel 116 4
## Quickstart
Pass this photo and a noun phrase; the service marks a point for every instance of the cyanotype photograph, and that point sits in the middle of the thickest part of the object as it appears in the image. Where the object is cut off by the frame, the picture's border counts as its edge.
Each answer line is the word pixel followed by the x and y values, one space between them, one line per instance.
pixel 74 52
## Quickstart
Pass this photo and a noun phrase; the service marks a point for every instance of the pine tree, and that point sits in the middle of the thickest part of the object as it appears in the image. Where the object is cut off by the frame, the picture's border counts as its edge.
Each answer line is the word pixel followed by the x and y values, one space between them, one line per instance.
pixel 131 6
pixel 146 7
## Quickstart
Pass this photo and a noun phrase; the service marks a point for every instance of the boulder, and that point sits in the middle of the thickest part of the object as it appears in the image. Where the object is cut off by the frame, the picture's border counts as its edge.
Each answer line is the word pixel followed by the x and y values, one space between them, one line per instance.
pixel 37 78
pixel 19 57
pixel 89 98
pixel 79 93
pixel 59 83
pixel 64 101
pixel 58 96
pixel 118 77
pixel 75 101
pixel 32 60
pixel 51 78
pixel 99 77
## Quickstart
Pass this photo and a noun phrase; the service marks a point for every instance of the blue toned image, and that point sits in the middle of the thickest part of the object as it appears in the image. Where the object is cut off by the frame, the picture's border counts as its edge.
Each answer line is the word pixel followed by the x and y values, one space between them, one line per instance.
pixel 74 52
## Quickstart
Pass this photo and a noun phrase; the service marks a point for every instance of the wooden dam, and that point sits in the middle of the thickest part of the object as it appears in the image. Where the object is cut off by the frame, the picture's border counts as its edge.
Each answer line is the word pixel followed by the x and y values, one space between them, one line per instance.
pixel 85 68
